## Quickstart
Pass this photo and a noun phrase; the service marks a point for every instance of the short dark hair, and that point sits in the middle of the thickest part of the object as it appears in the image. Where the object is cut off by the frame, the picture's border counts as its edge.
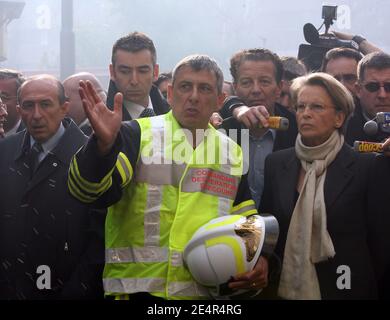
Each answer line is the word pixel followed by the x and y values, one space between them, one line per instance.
pixel 374 60
pixel 336 53
pixel 198 62
pixel 12 74
pixel 134 42
pixel 62 98
pixel 256 55
pixel 292 68
pixel 163 77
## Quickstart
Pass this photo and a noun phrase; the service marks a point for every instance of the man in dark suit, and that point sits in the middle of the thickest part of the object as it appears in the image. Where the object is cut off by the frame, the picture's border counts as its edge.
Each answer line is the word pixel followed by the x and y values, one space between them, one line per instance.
pixel 51 246
pixel 257 76
pixel 133 69
pixel 10 81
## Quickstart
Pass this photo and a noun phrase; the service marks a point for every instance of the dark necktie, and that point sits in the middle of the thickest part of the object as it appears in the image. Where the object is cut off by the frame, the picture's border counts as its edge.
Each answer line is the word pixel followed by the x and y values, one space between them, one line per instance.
pixel 146 113
pixel 34 157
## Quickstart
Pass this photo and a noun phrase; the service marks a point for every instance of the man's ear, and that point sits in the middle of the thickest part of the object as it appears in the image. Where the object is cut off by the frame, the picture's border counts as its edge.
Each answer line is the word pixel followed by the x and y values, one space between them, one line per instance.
pixel 278 91
pixel 156 70
pixel 65 108
pixel 170 94
pixel 112 72
pixel 19 109
pixel 221 98
pixel 358 88
pixel 235 88
pixel 340 118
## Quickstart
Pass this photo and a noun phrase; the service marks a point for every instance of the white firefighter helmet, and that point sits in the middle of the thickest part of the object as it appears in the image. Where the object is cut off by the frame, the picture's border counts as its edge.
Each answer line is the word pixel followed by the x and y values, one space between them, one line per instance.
pixel 227 246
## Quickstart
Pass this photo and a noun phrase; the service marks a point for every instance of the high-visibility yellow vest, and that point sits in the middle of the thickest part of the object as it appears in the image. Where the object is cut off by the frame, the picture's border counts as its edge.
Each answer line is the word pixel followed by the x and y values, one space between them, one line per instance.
pixel 173 192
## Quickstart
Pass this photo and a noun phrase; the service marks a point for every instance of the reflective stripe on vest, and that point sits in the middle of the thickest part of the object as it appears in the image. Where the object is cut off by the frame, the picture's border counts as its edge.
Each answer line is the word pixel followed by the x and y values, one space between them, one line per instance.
pixel 168 174
pixel 176 259
pixel 132 285
pixel 175 288
pixel 145 254
pixel 152 216
pixel 187 289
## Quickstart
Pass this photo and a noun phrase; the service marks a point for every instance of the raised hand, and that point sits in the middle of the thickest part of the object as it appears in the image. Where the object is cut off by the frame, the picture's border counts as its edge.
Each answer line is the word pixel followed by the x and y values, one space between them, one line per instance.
pixel 105 123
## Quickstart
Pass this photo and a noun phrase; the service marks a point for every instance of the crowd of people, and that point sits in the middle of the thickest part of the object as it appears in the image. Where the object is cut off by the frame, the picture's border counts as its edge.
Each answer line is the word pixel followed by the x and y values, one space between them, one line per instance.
pixel 99 193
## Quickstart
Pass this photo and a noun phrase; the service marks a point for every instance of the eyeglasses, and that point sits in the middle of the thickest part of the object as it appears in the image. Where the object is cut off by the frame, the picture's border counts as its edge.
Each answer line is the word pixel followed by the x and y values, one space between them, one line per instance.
pixel 375 86
pixel 6 98
pixel 313 107
pixel 348 78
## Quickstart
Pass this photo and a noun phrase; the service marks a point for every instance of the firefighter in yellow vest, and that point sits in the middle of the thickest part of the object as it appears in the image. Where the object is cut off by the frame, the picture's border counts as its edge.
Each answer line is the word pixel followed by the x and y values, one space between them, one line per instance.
pixel 162 178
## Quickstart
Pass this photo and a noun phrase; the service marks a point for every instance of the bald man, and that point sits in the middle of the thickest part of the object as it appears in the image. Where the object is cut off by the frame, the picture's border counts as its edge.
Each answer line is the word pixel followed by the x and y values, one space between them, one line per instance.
pixel 71 85
pixel 51 246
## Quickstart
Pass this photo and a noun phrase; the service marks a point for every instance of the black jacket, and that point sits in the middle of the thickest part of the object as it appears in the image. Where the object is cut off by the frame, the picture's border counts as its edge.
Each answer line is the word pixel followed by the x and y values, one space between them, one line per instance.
pixel 160 105
pixel 355 127
pixel 41 224
pixel 379 205
pixel 351 221
pixel 21 126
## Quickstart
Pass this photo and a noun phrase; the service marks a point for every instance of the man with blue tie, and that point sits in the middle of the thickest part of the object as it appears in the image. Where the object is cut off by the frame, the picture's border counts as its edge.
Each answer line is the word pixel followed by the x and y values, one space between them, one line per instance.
pixel 133 69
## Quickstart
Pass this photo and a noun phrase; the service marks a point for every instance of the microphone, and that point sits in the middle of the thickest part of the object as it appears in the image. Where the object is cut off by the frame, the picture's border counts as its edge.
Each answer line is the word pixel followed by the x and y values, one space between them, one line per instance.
pixel 365 147
pixel 383 117
pixel 370 128
pixel 381 122
pixel 277 123
pixel 310 33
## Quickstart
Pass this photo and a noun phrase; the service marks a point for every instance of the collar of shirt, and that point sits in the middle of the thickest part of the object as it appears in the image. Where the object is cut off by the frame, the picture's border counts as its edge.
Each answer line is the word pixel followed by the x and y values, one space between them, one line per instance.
pixel 51 143
pixel 84 123
pixel 259 148
pixel 271 132
pixel 135 109
pixel 14 129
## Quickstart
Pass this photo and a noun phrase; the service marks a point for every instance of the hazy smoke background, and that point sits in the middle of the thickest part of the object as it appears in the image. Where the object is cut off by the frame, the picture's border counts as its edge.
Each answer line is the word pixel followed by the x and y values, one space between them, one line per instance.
pixel 179 27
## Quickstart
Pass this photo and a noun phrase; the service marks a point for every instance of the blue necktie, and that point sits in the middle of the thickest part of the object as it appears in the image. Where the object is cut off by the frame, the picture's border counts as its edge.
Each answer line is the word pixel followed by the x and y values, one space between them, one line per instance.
pixel 33 157
pixel 146 113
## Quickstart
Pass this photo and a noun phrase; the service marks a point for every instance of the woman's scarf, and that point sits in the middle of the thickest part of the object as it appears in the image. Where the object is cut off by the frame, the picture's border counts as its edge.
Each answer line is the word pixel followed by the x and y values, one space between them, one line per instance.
pixel 308 240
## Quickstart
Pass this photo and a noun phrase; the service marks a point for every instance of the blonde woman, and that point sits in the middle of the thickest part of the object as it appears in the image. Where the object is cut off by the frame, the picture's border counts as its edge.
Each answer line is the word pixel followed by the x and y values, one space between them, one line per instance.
pixel 319 193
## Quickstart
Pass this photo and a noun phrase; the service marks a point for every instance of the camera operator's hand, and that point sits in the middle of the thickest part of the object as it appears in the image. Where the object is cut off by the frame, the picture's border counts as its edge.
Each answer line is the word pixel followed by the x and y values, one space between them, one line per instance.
pixel 252 117
pixel 342 36
pixel 365 47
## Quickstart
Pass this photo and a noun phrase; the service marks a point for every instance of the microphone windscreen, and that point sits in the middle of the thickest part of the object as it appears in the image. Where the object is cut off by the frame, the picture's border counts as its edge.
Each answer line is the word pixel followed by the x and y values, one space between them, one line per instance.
pixel 311 34
pixel 370 128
